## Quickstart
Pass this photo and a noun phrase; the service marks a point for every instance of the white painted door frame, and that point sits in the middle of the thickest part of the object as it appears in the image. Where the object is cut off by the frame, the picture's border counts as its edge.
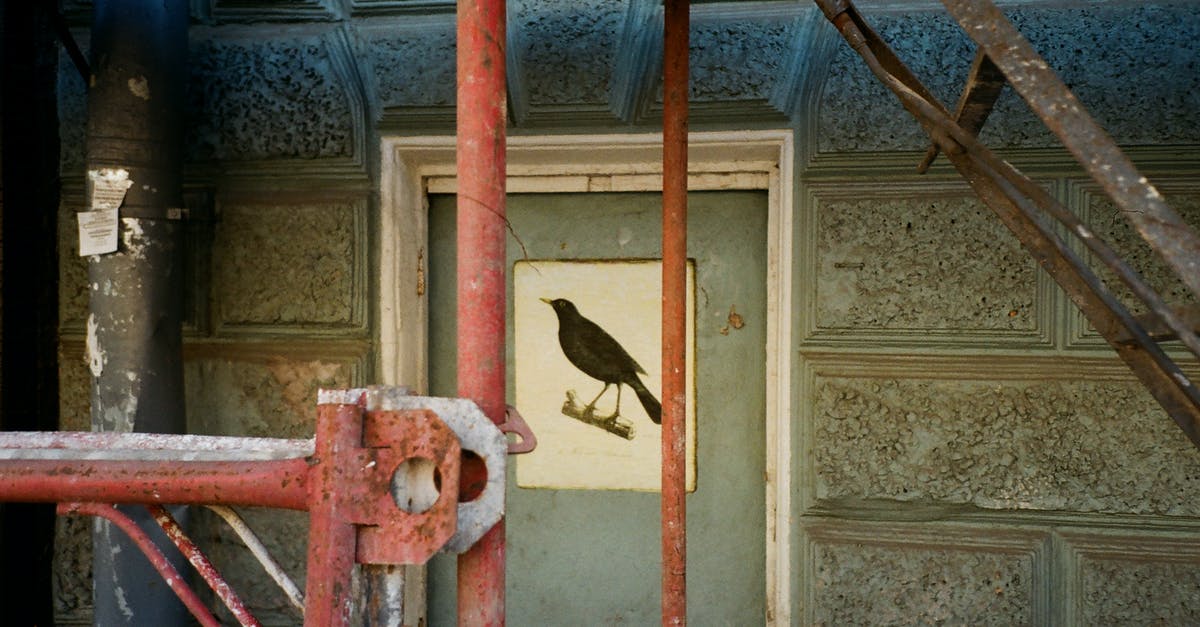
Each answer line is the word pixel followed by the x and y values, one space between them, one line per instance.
pixel 413 167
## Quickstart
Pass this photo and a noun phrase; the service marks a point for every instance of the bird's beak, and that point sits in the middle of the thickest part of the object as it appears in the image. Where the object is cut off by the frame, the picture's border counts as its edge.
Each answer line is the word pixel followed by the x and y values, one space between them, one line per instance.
pixel 545 300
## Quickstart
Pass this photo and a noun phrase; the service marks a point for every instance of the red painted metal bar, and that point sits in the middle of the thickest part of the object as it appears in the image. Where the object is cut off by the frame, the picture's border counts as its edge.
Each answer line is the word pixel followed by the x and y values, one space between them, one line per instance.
pixel 481 260
pixel 674 302
pixel 331 540
pixel 277 483
pixel 109 512
pixel 203 566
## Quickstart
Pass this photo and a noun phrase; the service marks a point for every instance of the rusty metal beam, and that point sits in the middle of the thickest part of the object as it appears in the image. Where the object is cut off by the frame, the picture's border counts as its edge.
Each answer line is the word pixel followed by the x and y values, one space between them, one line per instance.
pixel 203 566
pixel 1066 117
pixel 985 81
pixel 278 483
pixel 674 303
pixel 1026 209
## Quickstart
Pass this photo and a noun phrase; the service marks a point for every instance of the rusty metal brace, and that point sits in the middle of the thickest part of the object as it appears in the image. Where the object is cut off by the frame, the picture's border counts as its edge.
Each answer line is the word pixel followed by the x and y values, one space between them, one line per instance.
pixel 171 576
pixel 1020 204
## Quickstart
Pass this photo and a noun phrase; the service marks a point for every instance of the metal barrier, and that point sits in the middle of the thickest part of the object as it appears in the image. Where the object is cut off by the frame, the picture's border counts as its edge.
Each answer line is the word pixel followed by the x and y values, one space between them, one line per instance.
pixel 380 481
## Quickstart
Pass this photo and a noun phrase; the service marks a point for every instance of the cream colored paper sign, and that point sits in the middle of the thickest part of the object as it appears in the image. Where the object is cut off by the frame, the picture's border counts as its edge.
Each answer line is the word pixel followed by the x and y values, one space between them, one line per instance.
pixel 100 227
pixel 97 232
pixel 596 446
pixel 108 187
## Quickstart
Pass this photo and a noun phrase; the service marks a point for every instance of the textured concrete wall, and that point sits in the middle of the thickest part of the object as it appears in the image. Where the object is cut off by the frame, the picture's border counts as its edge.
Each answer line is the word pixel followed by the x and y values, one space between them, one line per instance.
pixel 974 452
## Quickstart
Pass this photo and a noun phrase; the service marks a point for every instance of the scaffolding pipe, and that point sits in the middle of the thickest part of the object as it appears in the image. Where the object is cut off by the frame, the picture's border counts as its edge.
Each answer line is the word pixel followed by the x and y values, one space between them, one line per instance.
pixel 481 117
pixel 135 127
pixel 331 540
pixel 674 300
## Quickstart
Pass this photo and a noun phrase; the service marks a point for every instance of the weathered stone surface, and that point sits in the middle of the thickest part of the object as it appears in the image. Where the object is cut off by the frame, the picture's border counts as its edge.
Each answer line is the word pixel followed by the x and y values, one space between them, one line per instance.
pixel 737 60
pixel 1112 227
pixel 1140 80
pixel 72 269
pixel 413 67
pixel 256 10
pixel 74 390
pixel 858 584
pixel 1139 98
pixel 276 398
pixel 267 98
pixel 1140 592
pixel 72 118
pixel 278 264
pixel 857 112
pixel 920 263
pixel 1078 446
pixel 72 561
pixel 72 570
pixel 568 47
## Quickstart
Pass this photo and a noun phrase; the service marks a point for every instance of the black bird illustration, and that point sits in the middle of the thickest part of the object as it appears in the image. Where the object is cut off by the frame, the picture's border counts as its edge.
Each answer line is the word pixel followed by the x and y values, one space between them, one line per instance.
pixel 600 357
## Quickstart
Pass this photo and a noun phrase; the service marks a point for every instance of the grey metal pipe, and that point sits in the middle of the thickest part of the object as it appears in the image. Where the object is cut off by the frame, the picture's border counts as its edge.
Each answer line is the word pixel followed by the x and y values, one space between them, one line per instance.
pixel 135 125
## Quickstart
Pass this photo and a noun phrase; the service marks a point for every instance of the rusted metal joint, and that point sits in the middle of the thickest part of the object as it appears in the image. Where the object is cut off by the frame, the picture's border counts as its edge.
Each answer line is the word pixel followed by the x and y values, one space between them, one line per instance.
pixel 476 433
pixel 403 495
pixel 833 8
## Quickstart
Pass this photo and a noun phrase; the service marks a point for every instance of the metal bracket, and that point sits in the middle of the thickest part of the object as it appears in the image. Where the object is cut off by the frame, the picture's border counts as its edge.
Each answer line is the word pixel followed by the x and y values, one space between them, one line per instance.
pixel 476 433
pixel 516 425
pixel 406 507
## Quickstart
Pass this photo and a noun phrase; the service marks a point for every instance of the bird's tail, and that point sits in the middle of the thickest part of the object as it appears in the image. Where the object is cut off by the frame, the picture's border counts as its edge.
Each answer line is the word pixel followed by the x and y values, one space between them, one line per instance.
pixel 649 403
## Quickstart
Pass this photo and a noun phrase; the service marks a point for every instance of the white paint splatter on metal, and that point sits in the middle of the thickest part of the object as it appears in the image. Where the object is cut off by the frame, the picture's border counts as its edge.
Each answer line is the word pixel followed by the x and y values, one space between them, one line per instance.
pixel 147 447
pixel 94 351
pixel 139 87
pixel 339 397
pixel 134 237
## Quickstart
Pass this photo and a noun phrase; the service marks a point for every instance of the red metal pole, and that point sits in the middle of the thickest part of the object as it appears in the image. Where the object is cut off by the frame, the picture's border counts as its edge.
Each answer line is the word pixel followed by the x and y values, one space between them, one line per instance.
pixel 482 116
pixel 331 542
pixel 674 299
pixel 277 483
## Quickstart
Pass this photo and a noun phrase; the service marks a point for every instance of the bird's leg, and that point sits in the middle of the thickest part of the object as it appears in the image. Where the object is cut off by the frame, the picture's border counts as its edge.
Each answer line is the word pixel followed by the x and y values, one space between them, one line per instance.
pixel 590 408
pixel 617 411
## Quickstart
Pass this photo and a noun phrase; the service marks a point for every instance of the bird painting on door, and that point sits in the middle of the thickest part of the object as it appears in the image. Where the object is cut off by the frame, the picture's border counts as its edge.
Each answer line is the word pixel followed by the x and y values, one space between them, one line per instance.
pixel 586 334
pixel 595 353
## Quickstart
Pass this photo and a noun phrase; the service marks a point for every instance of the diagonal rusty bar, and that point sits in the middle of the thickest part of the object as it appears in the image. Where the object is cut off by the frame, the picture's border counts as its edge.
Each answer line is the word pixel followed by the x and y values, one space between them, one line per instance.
pixel 139 537
pixel 1019 203
pixel 203 566
pixel 984 83
pixel 1063 114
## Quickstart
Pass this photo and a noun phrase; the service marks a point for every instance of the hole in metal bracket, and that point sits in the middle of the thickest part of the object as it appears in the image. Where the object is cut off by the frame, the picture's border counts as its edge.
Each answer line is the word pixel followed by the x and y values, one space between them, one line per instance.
pixel 416 485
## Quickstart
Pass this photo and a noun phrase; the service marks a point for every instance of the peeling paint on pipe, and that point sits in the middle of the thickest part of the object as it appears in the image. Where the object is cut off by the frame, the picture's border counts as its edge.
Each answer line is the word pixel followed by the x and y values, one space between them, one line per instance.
pixel 481 123
pixel 135 131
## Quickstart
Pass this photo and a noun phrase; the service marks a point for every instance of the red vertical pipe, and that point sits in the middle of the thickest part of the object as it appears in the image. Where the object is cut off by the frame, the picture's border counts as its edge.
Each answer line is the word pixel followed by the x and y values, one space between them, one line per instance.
pixel 482 115
pixel 331 542
pixel 674 299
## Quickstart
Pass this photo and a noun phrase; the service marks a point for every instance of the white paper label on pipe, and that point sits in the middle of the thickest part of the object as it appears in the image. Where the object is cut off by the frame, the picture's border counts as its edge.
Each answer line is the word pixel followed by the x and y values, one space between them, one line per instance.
pixel 97 232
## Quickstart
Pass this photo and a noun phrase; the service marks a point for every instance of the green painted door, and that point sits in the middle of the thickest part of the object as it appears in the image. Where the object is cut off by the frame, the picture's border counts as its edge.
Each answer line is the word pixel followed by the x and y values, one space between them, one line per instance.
pixel 581 557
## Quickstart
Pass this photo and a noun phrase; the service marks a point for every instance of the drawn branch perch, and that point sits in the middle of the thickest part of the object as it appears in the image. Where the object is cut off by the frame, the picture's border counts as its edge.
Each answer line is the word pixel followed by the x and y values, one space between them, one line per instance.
pixel 614 424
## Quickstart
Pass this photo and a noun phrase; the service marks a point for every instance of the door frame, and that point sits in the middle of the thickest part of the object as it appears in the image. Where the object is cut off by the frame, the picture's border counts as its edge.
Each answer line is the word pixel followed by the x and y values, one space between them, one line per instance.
pixel 413 167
